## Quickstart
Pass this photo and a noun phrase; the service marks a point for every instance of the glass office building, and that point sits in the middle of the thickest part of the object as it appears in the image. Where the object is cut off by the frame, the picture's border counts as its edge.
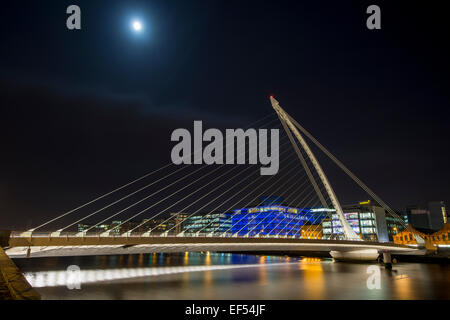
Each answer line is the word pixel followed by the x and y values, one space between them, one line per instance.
pixel 361 222
pixel 207 223
pixel 366 219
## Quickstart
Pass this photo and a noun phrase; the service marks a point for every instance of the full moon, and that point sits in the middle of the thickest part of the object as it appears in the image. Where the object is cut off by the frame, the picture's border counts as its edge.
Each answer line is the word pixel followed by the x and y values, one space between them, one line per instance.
pixel 137 25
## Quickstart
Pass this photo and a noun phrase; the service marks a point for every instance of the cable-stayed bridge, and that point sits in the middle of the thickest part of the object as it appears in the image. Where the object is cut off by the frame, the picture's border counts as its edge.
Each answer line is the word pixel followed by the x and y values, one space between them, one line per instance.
pixel 149 214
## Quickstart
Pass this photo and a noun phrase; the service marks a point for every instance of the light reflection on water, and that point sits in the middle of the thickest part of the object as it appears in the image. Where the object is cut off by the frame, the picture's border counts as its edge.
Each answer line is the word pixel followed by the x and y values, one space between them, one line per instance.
pixel 314 278
pixel 232 276
pixel 42 279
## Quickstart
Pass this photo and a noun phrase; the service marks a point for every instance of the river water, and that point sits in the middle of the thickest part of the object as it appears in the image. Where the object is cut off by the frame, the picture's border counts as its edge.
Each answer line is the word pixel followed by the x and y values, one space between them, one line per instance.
pixel 229 276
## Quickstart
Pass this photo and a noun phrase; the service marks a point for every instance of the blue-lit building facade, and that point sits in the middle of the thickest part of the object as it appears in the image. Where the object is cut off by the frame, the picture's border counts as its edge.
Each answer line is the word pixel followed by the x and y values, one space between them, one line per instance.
pixel 272 218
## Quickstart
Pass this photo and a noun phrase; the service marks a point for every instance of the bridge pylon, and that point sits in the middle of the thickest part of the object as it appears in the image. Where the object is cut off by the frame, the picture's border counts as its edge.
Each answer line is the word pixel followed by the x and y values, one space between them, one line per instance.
pixel 288 125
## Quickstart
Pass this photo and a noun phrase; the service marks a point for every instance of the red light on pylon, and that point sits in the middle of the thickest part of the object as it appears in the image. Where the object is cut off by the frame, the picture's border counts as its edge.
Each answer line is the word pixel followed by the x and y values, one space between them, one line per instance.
pixel 271 96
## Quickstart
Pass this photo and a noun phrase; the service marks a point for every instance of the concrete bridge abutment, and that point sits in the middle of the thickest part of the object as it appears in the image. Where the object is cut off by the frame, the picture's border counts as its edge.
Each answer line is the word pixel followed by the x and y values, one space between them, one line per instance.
pixel 355 255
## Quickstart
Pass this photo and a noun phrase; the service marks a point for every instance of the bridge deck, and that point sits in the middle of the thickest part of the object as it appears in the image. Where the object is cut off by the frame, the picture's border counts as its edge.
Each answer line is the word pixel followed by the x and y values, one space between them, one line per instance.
pixel 46 246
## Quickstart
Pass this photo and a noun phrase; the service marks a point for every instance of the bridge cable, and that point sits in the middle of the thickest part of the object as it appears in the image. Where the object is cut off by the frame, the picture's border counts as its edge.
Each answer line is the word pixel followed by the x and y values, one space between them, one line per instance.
pixel 272 193
pixel 125 185
pixel 145 198
pixel 259 196
pixel 347 171
pixel 302 216
pixel 316 188
pixel 240 191
pixel 282 220
pixel 260 203
pixel 275 215
pixel 176 193
pixel 270 178
pixel 204 186
pixel 199 209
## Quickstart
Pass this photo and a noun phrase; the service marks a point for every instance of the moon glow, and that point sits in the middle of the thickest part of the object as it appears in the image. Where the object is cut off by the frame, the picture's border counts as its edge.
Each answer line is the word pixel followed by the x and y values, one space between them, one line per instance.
pixel 137 25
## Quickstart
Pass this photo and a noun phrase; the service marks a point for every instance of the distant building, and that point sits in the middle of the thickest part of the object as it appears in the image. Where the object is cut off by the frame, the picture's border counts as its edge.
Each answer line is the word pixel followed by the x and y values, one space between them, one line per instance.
pixel 395 224
pixel 92 229
pixel 418 217
pixel 375 227
pixel 368 220
pixel 116 227
pixel 207 223
pixel 363 222
pixel 83 227
pixel 274 220
pixel 156 225
pixel 176 222
pixel 441 237
pixel 311 231
pixel 272 217
pixel 438 214
pixel 431 218
pixel 123 227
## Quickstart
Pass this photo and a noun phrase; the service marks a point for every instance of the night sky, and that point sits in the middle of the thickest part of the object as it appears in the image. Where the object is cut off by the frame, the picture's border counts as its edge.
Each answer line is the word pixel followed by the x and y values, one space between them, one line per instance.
pixel 82 112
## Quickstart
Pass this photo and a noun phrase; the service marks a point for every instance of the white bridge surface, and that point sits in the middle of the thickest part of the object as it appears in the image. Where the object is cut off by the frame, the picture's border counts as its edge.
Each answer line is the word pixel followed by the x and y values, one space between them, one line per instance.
pixel 76 246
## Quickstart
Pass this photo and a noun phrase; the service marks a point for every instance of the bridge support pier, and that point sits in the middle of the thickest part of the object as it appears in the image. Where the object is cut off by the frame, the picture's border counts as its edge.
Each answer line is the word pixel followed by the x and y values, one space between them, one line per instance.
pixel 356 255
pixel 387 260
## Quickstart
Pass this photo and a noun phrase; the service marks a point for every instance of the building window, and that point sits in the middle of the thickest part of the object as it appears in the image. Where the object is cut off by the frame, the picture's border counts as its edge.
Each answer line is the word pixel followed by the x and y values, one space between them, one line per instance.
pixel 367 223
pixel 366 215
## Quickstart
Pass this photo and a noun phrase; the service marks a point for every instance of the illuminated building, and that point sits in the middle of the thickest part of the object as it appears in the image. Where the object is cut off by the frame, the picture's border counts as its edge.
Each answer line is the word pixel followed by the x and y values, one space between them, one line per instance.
pixel 395 224
pixel 100 228
pixel 116 231
pixel 176 221
pixel 206 223
pixel 441 237
pixel 82 227
pixel 332 227
pixel 273 218
pixel 270 220
pixel 311 231
pixel 369 221
pixel 114 227
pixel 158 225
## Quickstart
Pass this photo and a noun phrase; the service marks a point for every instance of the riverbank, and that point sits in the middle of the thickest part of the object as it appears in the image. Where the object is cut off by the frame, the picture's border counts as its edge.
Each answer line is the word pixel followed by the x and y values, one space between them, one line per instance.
pixel 13 285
